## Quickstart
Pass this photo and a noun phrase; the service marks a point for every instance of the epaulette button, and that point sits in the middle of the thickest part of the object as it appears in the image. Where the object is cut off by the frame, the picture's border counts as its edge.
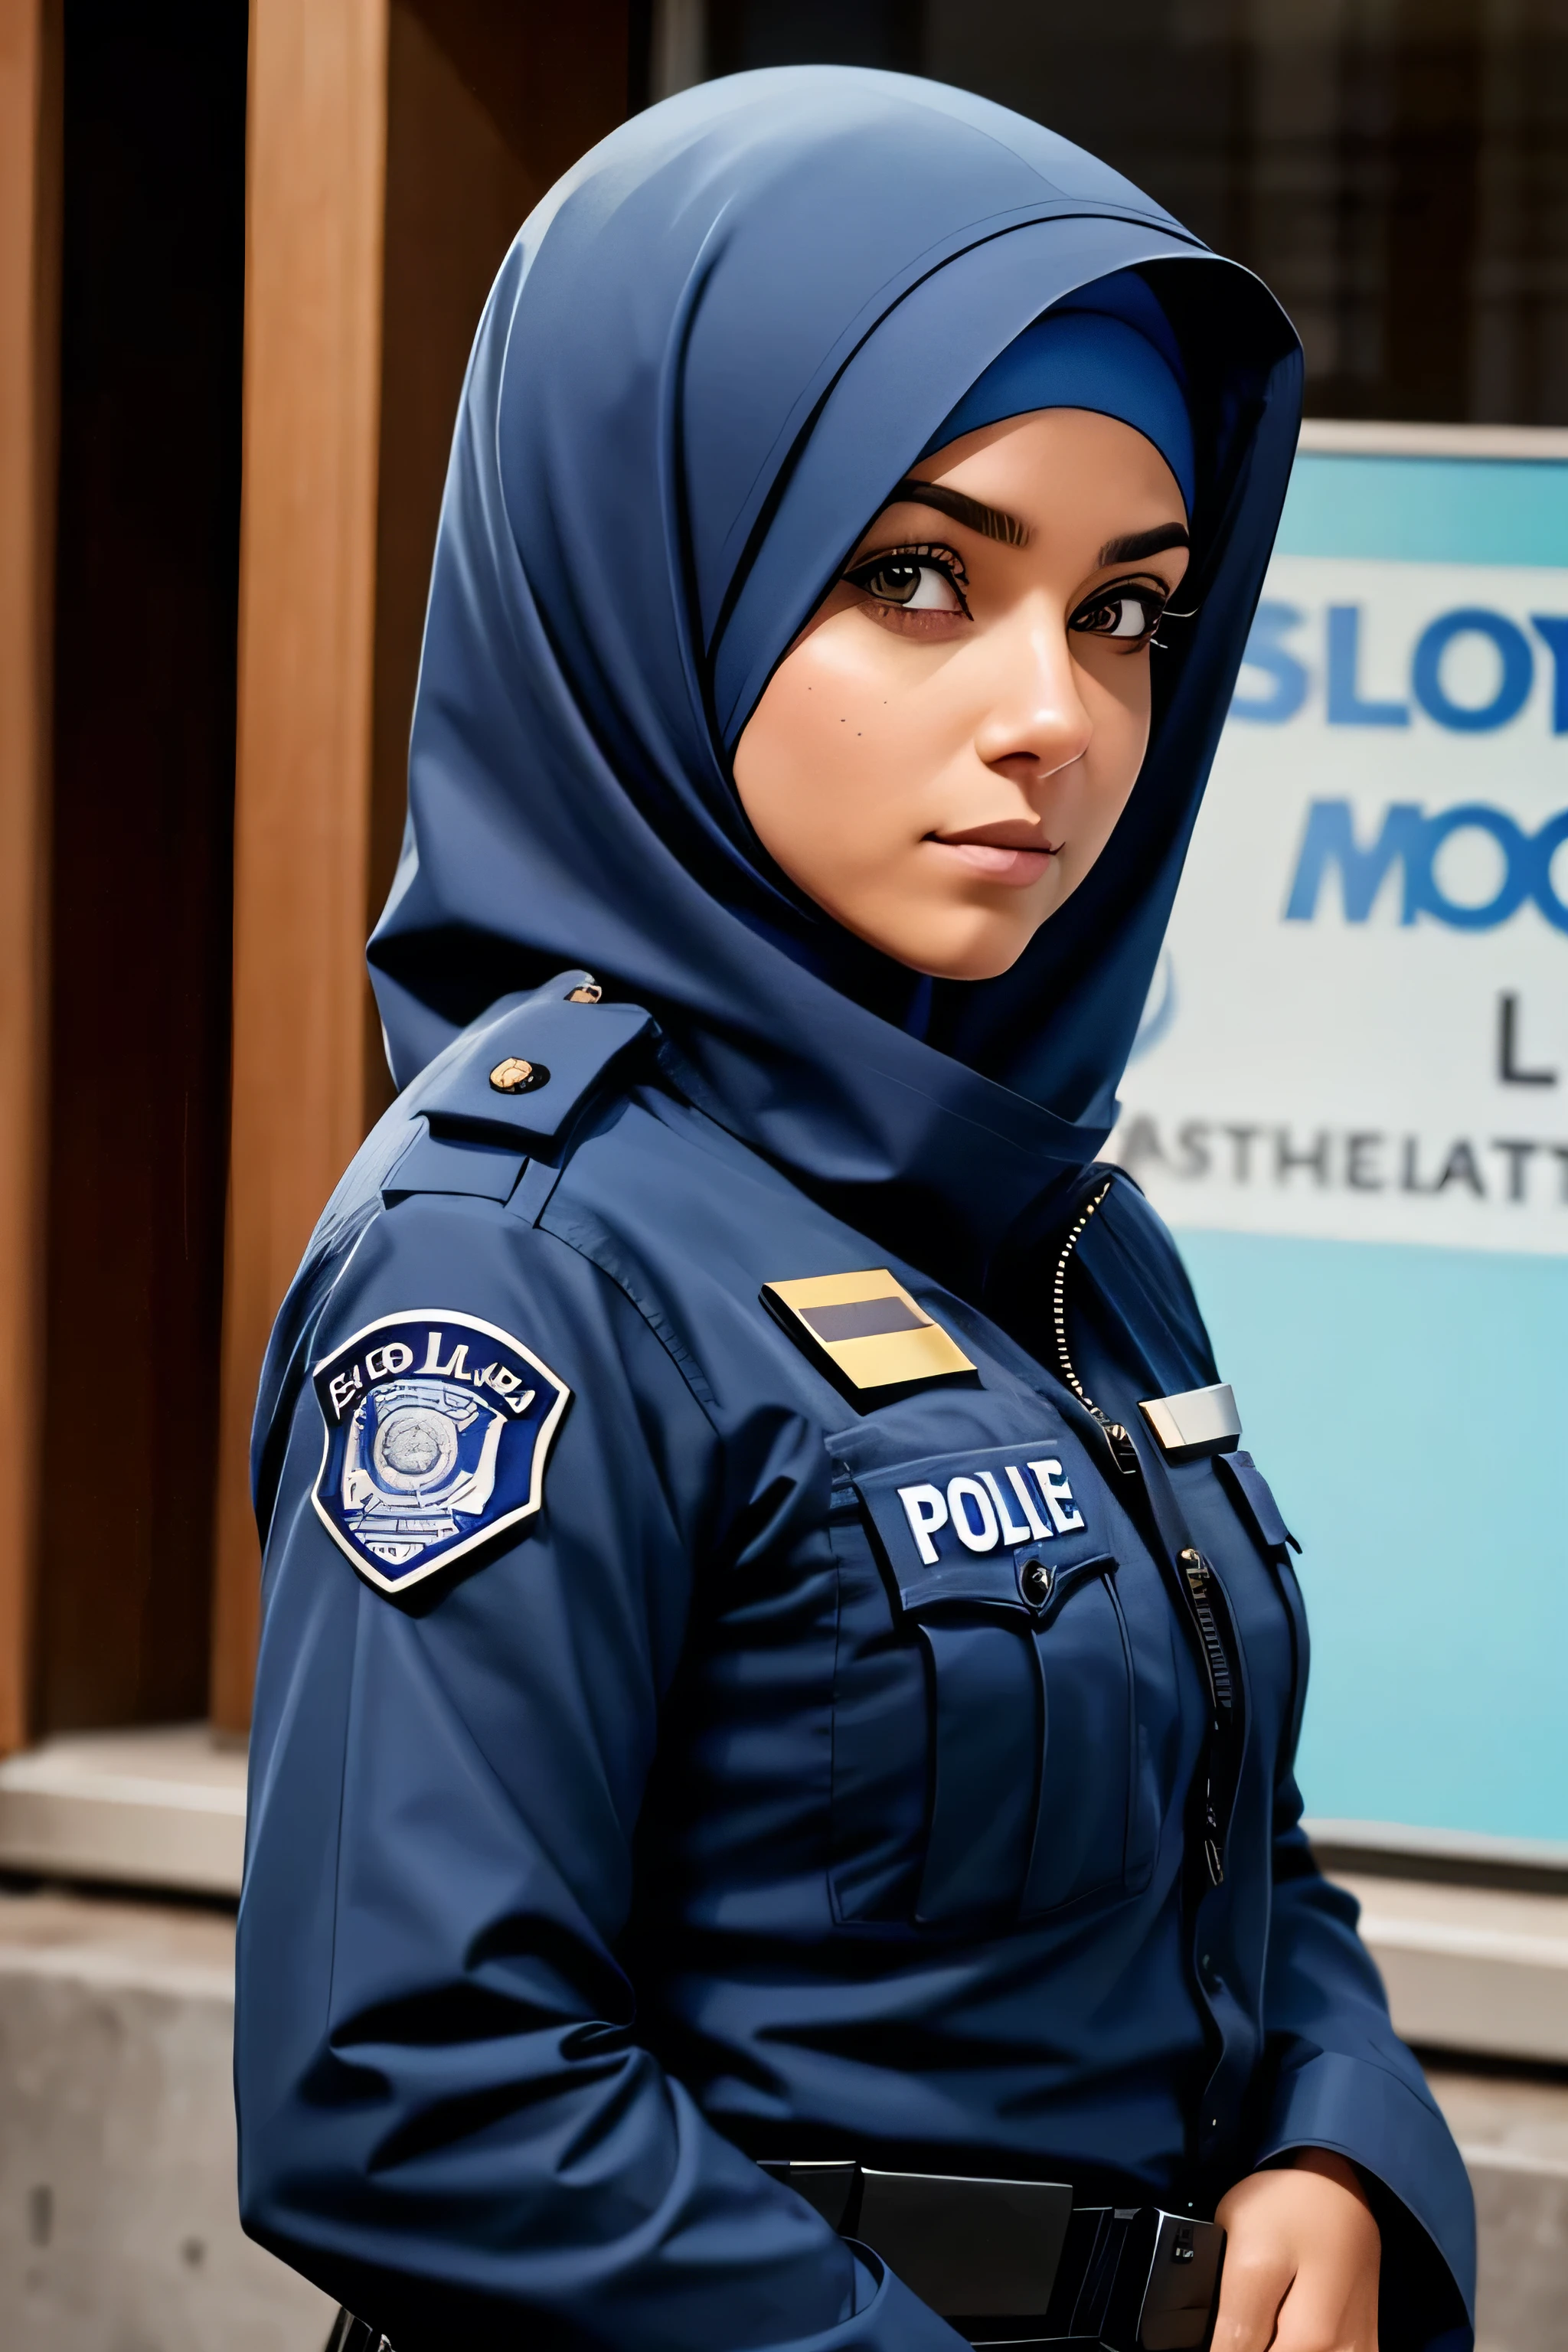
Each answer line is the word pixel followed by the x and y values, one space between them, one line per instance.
pixel 516 1077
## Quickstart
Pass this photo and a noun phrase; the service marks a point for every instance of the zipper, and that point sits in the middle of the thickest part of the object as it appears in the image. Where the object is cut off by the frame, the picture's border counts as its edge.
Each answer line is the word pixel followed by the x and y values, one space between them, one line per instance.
pixel 1196 1580
pixel 1199 1578
pixel 1120 1445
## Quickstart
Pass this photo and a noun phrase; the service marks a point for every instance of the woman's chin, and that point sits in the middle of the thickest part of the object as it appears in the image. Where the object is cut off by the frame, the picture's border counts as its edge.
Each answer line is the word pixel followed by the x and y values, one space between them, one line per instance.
pixel 972 951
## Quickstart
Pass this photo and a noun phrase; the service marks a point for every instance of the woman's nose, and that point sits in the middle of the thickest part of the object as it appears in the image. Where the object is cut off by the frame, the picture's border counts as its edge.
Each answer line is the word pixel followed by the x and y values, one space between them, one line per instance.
pixel 1034 712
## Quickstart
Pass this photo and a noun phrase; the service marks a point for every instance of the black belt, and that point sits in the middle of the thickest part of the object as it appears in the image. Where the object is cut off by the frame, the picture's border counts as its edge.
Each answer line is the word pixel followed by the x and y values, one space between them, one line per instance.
pixel 1006 2261
pixel 1016 2262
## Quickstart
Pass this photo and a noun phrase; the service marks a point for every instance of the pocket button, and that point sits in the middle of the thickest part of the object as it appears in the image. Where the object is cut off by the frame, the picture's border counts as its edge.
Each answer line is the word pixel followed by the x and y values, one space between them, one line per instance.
pixel 1036 1577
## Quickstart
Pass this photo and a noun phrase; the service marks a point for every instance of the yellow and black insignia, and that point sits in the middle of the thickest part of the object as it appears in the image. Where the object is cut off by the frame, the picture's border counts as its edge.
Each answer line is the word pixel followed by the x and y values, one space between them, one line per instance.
pixel 867 1335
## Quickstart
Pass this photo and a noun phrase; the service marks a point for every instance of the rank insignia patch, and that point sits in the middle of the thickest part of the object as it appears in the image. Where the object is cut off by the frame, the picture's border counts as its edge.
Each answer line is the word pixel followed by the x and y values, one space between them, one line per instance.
pixel 866 1332
pixel 438 1429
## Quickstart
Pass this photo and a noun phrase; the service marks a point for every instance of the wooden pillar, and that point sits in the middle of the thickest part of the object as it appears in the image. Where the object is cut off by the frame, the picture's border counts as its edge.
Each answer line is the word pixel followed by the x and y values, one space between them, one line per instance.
pixel 396 148
pixel 313 383
pixel 30 217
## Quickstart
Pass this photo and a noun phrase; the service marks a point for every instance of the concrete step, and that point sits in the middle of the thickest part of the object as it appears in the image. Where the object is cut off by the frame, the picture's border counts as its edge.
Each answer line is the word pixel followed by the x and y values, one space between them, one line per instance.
pixel 1468 1967
pixel 157 1806
pixel 1473 1969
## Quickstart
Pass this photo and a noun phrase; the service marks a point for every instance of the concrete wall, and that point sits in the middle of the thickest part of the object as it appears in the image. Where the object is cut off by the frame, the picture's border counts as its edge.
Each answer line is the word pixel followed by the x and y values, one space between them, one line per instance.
pixel 118 2226
pixel 1513 2136
pixel 117 2230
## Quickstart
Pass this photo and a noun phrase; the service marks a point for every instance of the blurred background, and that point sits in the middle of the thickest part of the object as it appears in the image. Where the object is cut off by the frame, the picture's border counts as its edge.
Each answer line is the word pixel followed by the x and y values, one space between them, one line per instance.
pixel 242 254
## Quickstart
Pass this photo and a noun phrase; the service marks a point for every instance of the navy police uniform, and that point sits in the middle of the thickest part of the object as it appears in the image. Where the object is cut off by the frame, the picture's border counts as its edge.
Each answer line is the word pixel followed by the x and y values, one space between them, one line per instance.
pixel 724 1698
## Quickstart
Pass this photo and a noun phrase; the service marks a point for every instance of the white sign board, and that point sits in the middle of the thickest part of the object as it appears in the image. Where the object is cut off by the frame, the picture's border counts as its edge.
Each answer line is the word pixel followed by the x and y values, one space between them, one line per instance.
pixel 1360 1028
pixel 1350 1099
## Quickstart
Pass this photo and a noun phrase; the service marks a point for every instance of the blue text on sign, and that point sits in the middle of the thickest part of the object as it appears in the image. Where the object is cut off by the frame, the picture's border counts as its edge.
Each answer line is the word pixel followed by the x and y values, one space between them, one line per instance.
pixel 1346 698
pixel 1409 839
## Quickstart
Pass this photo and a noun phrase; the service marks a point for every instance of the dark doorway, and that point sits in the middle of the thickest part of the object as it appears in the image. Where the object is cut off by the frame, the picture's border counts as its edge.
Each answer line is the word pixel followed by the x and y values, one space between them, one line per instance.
pixel 153 300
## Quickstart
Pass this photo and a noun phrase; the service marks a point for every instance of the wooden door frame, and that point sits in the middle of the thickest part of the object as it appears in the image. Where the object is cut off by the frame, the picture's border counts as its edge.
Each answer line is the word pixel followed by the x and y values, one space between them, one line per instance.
pixel 30 150
pixel 364 282
pixel 316 165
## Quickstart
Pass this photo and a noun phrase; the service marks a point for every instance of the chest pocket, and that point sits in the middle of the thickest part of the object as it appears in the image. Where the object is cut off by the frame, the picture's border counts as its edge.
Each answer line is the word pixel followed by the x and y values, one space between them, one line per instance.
pixel 1000 1567
pixel 1252 1497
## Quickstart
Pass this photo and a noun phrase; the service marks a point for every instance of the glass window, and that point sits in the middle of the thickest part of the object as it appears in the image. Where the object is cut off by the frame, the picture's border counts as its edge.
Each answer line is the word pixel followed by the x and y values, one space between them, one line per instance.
pixel 1397 169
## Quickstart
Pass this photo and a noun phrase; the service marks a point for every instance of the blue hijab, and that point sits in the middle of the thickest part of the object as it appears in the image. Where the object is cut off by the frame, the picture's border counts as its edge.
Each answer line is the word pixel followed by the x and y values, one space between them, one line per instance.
pixel 712 351
pixel 1108 348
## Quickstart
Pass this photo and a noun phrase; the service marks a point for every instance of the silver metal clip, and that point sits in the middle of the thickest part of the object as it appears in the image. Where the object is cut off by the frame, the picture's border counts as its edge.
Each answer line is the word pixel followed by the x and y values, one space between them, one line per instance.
pixel 1198 1422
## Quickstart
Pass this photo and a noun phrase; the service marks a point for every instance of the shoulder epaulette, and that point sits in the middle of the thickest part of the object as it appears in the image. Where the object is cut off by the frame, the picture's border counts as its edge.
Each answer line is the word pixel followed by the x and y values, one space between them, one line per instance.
pixel 513 1087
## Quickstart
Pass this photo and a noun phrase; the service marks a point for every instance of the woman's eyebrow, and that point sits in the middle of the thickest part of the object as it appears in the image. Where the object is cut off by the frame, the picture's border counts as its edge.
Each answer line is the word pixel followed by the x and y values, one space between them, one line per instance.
pixel 1136 545
pixel 990 522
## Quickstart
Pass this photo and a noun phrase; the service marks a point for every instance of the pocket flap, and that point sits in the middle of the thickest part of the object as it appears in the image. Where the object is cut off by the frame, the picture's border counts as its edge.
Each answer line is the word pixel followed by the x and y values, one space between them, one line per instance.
pixel 1251 1490
pixel 966 1526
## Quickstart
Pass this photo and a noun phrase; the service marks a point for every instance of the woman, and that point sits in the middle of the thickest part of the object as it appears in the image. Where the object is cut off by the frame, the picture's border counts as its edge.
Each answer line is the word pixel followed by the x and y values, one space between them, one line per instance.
pixel 743 1680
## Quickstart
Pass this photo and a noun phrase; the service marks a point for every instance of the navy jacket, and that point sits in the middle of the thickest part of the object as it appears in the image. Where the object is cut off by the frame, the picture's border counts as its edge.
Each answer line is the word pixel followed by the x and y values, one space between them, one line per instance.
pixel 720 1802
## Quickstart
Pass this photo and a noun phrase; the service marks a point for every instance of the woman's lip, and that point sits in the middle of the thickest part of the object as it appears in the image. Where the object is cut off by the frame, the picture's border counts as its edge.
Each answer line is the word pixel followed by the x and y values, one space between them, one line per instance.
pixel 989 861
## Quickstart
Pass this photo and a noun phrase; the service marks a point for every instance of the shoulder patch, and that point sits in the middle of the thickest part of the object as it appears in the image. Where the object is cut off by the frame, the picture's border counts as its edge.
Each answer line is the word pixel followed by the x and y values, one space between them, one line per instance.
pixel 439 1427
pixel 873 1341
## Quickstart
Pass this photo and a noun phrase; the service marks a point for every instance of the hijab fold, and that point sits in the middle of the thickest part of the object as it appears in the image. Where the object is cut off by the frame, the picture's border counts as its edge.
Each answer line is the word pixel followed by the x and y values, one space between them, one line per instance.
pixel 711 352
pixel 1109 348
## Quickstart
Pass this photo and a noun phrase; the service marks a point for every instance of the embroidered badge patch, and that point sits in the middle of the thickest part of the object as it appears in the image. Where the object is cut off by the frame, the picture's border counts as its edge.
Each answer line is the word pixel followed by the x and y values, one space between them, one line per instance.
pixel 438 1429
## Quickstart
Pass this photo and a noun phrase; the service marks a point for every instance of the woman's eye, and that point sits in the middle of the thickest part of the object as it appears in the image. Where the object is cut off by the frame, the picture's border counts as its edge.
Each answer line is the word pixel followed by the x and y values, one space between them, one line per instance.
pixel 914 583
pixel 1125 612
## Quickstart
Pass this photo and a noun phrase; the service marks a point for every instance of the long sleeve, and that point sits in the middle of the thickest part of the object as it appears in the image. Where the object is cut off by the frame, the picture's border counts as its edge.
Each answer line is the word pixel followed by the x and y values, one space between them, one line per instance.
pixel 447 2118
pixel 1344 2080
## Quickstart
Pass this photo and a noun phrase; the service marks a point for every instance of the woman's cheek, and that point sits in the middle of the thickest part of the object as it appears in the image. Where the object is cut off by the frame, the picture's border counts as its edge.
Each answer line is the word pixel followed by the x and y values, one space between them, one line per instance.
pixel 1116 688
pixel 1120 709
